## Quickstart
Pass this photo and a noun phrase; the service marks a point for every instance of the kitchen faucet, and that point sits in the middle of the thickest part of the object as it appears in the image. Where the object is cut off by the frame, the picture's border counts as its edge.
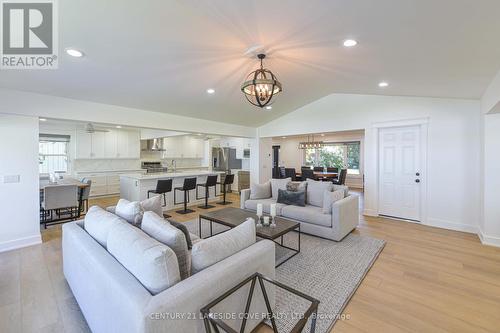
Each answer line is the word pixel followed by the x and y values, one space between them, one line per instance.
pixel 174 164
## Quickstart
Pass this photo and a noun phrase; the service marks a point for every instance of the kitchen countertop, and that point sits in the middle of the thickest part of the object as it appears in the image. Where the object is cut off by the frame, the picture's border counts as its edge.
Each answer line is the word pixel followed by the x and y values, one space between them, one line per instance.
pixel 184 174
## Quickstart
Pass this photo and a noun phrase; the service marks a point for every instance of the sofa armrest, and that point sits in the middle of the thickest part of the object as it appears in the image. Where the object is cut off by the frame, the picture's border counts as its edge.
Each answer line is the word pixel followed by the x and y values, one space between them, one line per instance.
pixel 177 309
pixel 345 215
pixel 244 196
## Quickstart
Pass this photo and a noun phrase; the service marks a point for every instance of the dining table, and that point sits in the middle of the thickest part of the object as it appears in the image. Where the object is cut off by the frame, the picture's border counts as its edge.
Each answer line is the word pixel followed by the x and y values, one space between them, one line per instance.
pixel 321 174
pixel 66 181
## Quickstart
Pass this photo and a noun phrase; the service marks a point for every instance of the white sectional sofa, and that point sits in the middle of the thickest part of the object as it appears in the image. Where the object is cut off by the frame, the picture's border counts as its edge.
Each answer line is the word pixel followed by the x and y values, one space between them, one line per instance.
pixel 335 224
pixel 112 299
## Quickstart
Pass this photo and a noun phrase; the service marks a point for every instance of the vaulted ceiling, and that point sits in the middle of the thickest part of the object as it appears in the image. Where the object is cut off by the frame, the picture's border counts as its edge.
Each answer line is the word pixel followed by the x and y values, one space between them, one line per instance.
pixel 163 55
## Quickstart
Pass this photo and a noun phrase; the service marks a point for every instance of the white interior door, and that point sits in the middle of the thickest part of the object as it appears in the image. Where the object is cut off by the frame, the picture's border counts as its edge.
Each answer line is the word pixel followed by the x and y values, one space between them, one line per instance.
pixel 399 172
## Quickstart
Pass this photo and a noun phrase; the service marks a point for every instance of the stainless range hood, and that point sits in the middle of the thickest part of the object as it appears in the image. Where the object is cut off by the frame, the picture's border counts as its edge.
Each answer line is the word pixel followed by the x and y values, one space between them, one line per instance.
pixel 153 145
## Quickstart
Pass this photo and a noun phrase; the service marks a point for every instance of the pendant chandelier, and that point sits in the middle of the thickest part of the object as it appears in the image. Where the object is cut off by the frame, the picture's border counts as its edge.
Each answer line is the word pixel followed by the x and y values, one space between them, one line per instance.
pixel 311 144
pixel 261 85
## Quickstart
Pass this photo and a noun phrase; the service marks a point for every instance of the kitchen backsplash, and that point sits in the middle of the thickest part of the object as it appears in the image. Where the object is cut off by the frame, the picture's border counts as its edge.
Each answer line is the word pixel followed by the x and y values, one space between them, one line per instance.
pixel 105 165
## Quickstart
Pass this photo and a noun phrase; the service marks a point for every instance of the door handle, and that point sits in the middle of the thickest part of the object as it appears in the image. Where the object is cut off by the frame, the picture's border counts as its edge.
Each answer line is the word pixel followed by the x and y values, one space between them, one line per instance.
pixel 417 180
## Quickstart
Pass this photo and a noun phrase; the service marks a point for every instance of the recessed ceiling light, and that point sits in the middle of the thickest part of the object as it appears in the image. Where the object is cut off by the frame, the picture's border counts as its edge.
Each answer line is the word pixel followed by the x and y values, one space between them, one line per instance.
pixel 322 134
pixel 199 134
pixel 383 84
pixel 118 126
pixel 210 91
pixel 43 119
pixel 74 53
pixel 269 107
pixel 283 137
pixel 350 43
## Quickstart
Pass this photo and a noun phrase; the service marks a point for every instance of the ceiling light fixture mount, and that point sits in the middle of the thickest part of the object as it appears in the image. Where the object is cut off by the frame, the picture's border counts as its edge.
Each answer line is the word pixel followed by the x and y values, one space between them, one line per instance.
pixel 74 52
pixel 210 91
pixel 383 84
pixel 350 43
pixel 261 85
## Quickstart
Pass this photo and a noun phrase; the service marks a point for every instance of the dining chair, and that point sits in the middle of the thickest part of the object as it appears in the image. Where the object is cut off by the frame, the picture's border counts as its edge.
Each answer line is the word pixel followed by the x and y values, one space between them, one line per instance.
pixel 342 177
pixel 84 195
pixel 307 174
pixel 332 169
pixel 61 199
pixel 319 169
pixel 290 173
pixel 282 172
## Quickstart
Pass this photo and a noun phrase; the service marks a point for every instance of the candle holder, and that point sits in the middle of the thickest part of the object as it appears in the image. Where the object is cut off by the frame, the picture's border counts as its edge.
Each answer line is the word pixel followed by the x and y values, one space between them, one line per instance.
pixel 266 221
pixel 259 222
pixel 273 222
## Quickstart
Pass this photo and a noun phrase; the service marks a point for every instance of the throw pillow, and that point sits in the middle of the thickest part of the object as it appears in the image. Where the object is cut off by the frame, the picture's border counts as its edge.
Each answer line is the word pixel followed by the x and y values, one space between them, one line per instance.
pixel 315 192
pixel 131 211
pixel 329 198
pixel 292 198
pixel 152 263
pixel 210 251
pixel 277 184
pixel 161 230
pixel 98 222
pixel 153 205
pixel 184 230
pixel 343 188
pixel 297 187
pixel 260 191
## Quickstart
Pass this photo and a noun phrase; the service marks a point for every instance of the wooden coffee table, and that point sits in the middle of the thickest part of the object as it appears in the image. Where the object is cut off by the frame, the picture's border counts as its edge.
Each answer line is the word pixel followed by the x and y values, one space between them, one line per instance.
pixel 232 217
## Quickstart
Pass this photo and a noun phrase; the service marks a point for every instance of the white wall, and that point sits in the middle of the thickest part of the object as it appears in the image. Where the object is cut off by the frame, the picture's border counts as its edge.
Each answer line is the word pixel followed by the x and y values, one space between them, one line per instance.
pixel 490 225
pixel 19 202
pixel 293 157
pixel 490 101
pixel 453 194
pixel 24 103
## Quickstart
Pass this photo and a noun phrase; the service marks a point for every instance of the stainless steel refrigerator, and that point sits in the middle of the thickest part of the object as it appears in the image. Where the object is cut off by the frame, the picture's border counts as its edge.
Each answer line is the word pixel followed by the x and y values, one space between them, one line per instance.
pixel 224 159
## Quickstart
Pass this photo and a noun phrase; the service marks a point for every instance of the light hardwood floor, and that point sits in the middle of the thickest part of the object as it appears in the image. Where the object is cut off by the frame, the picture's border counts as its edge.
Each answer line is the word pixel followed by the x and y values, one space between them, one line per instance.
pixel 425 280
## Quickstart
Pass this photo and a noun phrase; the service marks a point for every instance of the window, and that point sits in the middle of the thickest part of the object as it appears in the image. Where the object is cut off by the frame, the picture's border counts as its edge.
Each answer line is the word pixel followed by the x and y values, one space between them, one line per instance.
pixel 345 155
pixel 53 153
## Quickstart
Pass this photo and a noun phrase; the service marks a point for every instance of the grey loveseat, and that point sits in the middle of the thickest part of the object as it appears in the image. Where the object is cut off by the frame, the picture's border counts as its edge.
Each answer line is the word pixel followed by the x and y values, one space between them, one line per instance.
pixel 334 225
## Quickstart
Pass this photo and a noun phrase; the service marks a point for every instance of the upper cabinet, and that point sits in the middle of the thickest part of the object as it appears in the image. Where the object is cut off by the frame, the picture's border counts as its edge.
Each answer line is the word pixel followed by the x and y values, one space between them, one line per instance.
pixel 113 144
pixel 184 146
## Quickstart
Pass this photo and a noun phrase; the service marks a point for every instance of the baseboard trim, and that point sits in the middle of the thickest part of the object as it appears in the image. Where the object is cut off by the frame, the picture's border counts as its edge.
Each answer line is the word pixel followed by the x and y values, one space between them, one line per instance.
pixel 451 226
pixel 20 242
pixel 488 240
pixel 370 212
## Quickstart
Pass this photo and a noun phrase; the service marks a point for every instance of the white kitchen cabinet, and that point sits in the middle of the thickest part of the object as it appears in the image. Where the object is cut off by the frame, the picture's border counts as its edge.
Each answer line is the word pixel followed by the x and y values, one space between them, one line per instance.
pixel 183 147
pixel 110 144
pixel 83 145
pixel 134 145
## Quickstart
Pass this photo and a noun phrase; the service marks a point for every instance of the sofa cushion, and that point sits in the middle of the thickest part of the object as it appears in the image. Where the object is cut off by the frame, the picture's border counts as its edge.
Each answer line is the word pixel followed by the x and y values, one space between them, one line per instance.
pixel 277 184
pixel 152 263
pixel 315 192
pixel 130 211
pixel 98 222
pixel 292 198
pixel 296 186
pixel 343 188
pixel 329 198
pixel 209 251
pixel 260 191
pixel 266 205
pixel 309 214
pixel 153 204
pixel 184 230
pixel 161 230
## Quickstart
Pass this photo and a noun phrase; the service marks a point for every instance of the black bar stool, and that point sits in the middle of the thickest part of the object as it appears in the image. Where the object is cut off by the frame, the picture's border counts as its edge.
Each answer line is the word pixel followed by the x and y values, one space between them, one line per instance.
pixel 211 181
pixel 189 184
pixel 162 186
pixel 228 180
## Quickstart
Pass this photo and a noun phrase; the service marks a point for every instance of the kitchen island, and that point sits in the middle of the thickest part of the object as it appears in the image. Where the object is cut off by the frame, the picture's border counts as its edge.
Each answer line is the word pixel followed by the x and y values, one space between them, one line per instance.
pixel 135 186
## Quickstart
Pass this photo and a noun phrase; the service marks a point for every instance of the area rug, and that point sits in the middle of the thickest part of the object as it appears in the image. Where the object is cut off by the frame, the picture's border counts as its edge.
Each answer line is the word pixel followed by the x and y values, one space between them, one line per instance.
pixel 326 270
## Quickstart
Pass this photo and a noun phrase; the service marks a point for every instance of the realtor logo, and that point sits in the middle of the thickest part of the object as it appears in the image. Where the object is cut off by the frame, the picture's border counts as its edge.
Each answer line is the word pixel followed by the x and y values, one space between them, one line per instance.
pixel 29 34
